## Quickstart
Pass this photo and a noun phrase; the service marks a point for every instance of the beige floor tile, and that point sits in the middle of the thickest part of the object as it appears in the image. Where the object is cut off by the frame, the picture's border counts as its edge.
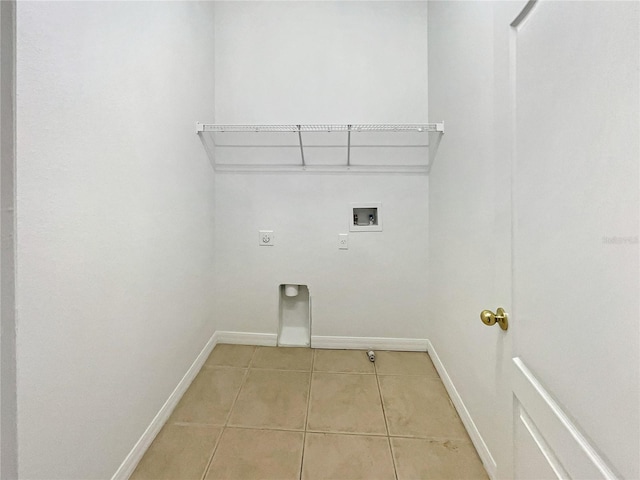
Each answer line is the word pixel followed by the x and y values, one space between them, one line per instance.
pixel 426 459
pixel 178 452
pixel 335 457
pixel 254 454
pixel 272 399
pixel 405 363
pixel 344 361
pixel 283 358
pixel 419 407
pixel 346 403
pixel 210 397
pixel 224 355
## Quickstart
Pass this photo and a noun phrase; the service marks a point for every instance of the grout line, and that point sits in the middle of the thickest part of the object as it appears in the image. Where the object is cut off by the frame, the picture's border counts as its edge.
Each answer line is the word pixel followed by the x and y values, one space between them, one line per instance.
pixel 215 447
pixel 233 404
pixel 253 356
pixel 198 424
pixel 433 439
pixel 427 376
pixel 328 432
pixel 244 381
pixel 352 434
pixel 384 413
pixel 306 417
pixel 280 369
pixel 223 367
pixel 268 429
pixel 386 424
pixel 344 373
pixel 393 458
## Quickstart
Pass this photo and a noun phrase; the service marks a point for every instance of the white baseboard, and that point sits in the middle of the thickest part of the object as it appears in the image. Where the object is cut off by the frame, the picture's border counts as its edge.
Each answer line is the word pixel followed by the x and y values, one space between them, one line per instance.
pixel 246 338
pixel 483 451
pixel 137 452
pixel 366 343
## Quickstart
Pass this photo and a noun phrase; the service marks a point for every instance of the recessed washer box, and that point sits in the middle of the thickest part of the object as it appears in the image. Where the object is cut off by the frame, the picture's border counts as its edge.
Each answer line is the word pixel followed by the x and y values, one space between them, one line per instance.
pixel 365 217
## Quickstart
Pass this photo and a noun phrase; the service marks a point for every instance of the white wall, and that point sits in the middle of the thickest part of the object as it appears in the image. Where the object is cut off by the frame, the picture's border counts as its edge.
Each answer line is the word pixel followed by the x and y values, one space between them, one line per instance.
pixel 115 223
pixel 377 288
pixel 469 210
pixel 322 62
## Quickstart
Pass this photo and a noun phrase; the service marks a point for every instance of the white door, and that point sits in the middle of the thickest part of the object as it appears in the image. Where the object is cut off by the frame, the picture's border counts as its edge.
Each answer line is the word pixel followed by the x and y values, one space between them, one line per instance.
pixel 574 314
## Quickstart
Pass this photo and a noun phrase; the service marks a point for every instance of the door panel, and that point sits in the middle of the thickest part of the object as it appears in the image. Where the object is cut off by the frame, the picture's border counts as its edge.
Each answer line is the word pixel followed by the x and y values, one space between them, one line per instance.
pixel 561 450
pixel 534 458
pixel 575 230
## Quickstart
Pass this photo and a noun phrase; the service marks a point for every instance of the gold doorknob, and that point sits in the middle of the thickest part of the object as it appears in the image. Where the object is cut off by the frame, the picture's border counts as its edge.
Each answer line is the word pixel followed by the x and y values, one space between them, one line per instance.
pixel 500 317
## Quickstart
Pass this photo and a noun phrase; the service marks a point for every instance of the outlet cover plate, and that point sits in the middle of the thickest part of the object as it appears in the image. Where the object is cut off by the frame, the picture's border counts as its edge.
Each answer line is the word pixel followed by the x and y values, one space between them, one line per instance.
pixel 266 238
pixel 343 241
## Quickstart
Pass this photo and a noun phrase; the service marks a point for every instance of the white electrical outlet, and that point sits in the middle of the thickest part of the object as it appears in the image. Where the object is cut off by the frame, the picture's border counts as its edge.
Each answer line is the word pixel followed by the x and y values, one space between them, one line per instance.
pixel 266 238
pixel 343 241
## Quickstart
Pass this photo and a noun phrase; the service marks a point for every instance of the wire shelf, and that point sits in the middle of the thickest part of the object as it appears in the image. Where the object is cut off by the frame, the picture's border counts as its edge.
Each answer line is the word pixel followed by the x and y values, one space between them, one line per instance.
pixel 400 127
pixel 205 127
pixel 300 129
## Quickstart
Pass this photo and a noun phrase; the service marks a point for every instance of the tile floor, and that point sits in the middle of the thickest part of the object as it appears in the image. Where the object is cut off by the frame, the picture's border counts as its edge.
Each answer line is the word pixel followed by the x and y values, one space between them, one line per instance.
pixel 298 413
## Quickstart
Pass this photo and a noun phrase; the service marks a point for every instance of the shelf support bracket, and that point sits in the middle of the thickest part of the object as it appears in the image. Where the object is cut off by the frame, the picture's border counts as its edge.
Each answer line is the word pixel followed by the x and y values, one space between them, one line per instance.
pixel 348 145
pixel 301 147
